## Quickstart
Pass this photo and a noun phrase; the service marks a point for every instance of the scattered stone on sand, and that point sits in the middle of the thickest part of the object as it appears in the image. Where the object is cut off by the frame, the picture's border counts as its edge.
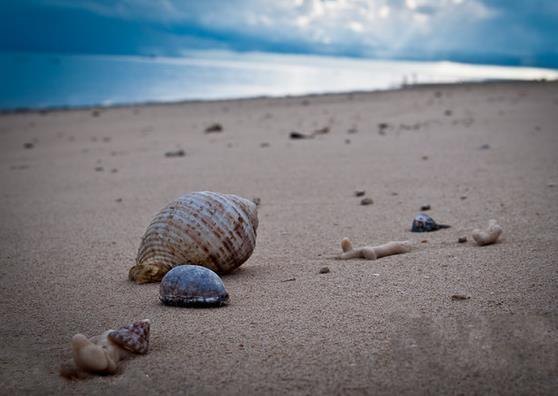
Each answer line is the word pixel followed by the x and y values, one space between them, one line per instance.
pixel 424 157
pixel 257 201
pixel 485 147
pixel 321 131
pixel 305 102
pixel 394 194
pixel 347 141
pixel 463 197
pixel 177 153
pixel 366 201
pixel 19 167
pixel 462 240
pixel 28 145
pixel 216 127
pixel 458 297
pixel 382 127
pixel 99 169
pixel 448 113
pixel 360 193
pixel 297 135
pixel 113 170
pixel 288 280
pixel 551 185
pixel 424 241
pixel 118 199
pixel 352 130
pixel 96 113
pixel 264 144
pixel 324 270
pixel 106 139
pixel 425 207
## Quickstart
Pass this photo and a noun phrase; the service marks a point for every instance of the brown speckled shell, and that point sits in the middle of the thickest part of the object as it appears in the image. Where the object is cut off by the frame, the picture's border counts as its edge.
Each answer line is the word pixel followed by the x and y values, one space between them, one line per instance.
pixel 133 337
pixel 216 231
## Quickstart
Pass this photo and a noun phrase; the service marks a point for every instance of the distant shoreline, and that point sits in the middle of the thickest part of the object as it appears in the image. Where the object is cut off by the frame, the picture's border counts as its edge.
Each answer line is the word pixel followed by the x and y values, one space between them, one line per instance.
pixel 419 86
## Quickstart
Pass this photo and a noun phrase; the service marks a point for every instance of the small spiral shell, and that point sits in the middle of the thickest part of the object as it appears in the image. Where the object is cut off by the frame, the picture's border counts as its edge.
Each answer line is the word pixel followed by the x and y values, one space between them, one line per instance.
pixel 214 230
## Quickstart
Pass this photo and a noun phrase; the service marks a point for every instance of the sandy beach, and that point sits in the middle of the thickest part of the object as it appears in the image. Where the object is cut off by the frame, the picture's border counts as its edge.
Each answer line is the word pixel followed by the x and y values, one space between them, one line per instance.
pixel 79 187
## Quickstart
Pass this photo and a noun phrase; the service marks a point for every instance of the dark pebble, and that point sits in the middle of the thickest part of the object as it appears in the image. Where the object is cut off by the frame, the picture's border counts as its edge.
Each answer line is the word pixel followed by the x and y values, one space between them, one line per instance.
pixel 425 207
pixel 457 297
pixel 177 153
pixel 360 193
pixel 448 113
pixel 485 147
pixel 99 168
pixel 214 128
pixel 28 145
pixel 321 131
pixel 462 240
pixel 324 270
pixel 424 157
pixel 366 201
pixel 118 199
pixel 463 197
pixel 298 135
pixel 264 144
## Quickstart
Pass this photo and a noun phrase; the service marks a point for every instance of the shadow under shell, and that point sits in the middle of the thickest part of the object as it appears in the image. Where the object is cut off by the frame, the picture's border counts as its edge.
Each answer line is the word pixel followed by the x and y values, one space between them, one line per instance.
pixel 193 286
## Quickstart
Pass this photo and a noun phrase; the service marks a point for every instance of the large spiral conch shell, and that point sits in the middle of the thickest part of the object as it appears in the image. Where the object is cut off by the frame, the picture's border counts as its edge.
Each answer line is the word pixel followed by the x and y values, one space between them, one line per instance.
pixel 214 230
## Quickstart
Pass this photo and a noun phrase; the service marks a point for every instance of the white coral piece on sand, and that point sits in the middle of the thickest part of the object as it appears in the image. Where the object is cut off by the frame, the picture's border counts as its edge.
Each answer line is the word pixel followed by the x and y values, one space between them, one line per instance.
pixel 488 236
pixel 373 252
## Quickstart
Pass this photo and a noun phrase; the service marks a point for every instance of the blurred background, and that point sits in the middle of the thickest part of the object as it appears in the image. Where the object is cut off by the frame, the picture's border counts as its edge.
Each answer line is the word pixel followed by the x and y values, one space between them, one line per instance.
pixel 102 52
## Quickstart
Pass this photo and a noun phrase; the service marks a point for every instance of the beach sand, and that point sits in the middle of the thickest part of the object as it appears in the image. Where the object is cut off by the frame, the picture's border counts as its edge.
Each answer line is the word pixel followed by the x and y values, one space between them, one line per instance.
pixel 75 205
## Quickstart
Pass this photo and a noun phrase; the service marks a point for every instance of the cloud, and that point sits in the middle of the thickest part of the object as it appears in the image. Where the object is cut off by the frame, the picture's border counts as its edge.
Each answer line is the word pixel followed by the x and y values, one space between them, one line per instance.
pixel 414 29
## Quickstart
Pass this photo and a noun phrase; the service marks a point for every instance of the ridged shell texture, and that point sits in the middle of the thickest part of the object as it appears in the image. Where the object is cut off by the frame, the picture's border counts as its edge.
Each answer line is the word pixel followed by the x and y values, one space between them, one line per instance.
pixel 214 230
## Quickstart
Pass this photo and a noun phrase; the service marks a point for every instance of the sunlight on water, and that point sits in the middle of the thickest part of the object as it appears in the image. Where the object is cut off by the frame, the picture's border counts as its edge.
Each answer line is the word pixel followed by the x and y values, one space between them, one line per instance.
pixel 46 80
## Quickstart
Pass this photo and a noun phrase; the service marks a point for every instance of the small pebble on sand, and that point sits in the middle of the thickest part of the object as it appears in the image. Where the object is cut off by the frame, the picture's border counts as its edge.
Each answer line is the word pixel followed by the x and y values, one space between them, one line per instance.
pixel 324 270
pixel 485 147
pixel 264 144
pixel 297 135
pixel 177 153
pixel 118 199
pixel 462 240
pixel 99 169
pixel 216 127
pixel 463 197
pixel 457 297
pixel 424 157
pixel 366 201
pixel 28 145
pixel 425 207
pixel 360 193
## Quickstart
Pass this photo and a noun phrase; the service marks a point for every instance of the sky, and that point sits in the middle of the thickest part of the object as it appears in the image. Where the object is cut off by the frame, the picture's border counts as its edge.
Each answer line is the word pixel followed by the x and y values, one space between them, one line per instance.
pixel 506 32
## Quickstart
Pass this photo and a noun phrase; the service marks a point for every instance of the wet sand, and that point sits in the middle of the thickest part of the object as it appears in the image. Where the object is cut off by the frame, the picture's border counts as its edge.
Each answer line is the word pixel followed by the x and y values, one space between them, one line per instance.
pixel 79 188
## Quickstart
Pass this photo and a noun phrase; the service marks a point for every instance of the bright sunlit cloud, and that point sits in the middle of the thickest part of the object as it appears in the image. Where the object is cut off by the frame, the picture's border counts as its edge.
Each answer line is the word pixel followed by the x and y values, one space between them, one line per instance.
pixel 496 31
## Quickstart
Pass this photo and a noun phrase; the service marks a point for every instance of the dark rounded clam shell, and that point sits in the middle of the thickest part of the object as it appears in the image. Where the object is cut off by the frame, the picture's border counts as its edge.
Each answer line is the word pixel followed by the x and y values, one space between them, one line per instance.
pixel 424 223
pixel 192 286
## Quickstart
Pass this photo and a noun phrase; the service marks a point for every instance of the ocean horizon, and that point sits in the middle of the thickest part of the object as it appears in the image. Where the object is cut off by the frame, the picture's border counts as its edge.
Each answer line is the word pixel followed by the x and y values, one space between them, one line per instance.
pixel 50 80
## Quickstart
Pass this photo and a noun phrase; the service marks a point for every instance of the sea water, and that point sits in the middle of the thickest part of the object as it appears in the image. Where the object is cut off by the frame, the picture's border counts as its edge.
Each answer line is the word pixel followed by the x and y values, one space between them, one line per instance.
pixel 39 80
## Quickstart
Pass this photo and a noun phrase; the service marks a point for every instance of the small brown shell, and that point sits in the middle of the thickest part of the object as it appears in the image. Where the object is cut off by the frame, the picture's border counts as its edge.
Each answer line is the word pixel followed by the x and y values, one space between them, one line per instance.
pixel 213 230
pixel 133 337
